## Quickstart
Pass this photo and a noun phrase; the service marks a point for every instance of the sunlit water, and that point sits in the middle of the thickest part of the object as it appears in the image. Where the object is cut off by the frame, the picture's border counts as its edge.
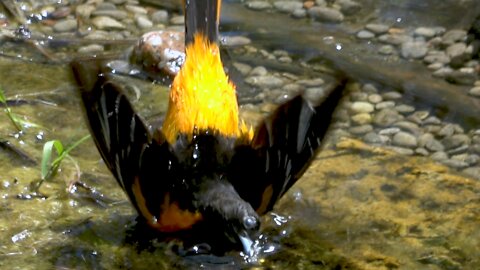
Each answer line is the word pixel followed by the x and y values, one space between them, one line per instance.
pixel 357 207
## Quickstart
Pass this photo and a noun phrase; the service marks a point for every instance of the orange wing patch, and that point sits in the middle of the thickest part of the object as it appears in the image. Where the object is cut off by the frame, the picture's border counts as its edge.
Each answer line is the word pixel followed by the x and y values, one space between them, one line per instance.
pixel 201 96
pixel 172 218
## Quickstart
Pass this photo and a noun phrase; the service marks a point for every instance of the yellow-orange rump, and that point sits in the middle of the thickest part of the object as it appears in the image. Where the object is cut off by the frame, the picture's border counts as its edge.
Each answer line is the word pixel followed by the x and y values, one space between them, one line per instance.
pixel 202 97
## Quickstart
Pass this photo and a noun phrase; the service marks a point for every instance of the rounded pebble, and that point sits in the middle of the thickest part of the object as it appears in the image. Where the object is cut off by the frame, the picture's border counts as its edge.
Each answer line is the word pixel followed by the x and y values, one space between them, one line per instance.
pixel 404 139
pixel 326 14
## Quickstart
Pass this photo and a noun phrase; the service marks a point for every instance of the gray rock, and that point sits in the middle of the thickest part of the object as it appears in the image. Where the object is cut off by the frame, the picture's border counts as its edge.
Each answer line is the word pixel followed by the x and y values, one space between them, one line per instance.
pixel 414 49
pixel 320 3
pixel 392 95
pixel 434 145
pixel 386 117
pixel 369 88
pixel 361 107
pixel 358 96
pixel 435 66
pixel 374 138
pixel 462 78
pixel 160 16
pixel 453 36
pixel 136 9
pixel 143 22
pixel 177 20
pixel 432 120
pixel 84 11
pixel 65 25
pixel 442 72
pixel 106 6
pixel 386 50
pixel 116 14
pixel 348 7
pixel 475 91
pixel 375 98
pixel 439 156
pixel 473 172
pixel 233 41
pixel 422 152
pixel 267 81
pixel 314 93
pixel 458 150
pixel 377 28
pixel 311 82
pixel 472 159
pixel 395 39
pixel 360 130
pixel 455 163
pixel 292 87
pixel 408 126
pixel 456 49
pixel 259 5
pixel 287 6
pixel 385 105
pixel 362 118
pixel 447 130
pixel 299 13
pixel 365 34
pixel 456 141
pixel 426 32
pixel 259 71
pixel 326 14
pixel 404 139
pixel 92 48
pixel 401 150
pixel 107 23
pixel 244 69
pixel 403 108
pixel 389 131
pixel 440 57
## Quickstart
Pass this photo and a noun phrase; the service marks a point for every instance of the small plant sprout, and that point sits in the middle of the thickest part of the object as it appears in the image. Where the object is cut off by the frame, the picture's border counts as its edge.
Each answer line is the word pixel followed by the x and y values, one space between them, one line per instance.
pixel 16 119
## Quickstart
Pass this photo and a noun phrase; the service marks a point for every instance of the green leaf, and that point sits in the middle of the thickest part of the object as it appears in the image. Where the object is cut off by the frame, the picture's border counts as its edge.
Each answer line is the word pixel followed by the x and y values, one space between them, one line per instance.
pixel 2 97
pixel 47 167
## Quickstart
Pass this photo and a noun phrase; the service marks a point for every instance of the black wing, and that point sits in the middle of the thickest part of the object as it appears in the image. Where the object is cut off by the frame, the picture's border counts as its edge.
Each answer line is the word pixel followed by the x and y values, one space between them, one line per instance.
pixel 282 148
pixel 202 17
pixel 140 163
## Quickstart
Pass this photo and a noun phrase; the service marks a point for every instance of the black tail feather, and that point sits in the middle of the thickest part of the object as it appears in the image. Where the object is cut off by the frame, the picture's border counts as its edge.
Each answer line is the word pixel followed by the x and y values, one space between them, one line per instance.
pixel 202 16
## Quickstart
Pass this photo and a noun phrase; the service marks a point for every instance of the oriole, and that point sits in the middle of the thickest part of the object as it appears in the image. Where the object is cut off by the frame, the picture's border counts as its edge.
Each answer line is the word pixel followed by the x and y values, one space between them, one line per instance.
pixel 204 167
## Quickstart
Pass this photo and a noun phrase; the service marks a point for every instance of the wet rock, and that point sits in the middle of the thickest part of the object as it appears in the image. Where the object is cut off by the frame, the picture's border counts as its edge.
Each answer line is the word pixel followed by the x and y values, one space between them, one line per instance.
pixel 287 6
pixel 177 20
pixel 462 78
pixel 418 116
pixel 404 139
pixel 473 172
pixel 386 50
pixel 259 71
pixel 326 14
pixel 389 131
pixel 116 14
pixel 386 117
pixel 374 138
pixel 395 39
pixel 426 32
pixel 235 41
pixel 438 57
pixel 429 142
pixel 136 9
pixel 292 87
pixel 348 7
pixel 439 156
pixel 259 5
pixel 66 25
pixel 447 130
pixel 244 69
pixel 458 150
pixel 360 130
pixel 408 126
pixel 435 66
pixel 160 16
pixel 377 28
pixel 453 36
pixel 84 11
pixel 267 81
pixel 143 22
pixel 401 150
pixel 414 49
pixel 365 34
pixel 358 96
pixel 475 91
pixel 456 50
pixel 456 141
pixel 299 13
pixel 458 164
pixel 311 82
pixel 107 23
pixel 403 108
pixel 384 105
pixel 375 98
pixel 361 107
pixel 106 6
pixel 92 48
pixel 392 95
pixel 422 152
pixel 362 118
pixel 442 72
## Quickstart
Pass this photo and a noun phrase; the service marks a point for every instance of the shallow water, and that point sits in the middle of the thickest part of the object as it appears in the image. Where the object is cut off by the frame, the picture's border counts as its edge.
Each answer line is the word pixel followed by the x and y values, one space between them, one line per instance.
pixel 357 207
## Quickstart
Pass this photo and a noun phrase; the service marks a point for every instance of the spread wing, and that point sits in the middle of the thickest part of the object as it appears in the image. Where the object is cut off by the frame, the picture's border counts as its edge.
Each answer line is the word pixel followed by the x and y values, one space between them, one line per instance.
pixel 282 149
pixel 136 158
